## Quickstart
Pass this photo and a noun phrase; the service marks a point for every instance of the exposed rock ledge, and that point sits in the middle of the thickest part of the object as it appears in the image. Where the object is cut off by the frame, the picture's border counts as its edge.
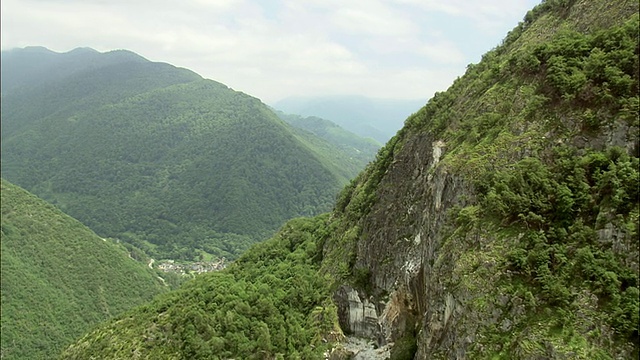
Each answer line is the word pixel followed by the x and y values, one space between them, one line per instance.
pixel 357 315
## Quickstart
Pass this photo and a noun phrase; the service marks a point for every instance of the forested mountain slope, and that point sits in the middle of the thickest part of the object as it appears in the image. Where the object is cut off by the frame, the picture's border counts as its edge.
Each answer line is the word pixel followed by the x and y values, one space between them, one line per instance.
pixel 354 150
pixel 38 84
pixel 59 279
pixel 501 222
pixel 157 156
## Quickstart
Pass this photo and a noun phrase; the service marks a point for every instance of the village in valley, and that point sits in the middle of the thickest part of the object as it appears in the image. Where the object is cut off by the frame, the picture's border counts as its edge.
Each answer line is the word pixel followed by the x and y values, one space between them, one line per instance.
pixel 198 267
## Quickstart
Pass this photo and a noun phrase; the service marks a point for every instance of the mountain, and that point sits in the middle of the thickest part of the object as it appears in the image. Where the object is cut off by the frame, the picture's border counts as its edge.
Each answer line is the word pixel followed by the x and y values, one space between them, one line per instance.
pixel 35 65
pixel 59 279
pixel 156 156
pixel 501 222
pixel 379 119
pixel 353 148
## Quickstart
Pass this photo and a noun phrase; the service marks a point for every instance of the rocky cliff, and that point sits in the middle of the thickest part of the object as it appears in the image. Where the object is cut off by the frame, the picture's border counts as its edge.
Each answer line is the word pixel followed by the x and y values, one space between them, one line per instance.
pixel 465 238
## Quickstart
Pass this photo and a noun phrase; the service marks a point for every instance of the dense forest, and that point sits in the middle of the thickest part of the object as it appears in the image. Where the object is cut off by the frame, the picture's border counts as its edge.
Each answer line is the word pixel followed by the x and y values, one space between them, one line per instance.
pixel 59 279
pixel 270 304
pixel 153 155
pixel 501 222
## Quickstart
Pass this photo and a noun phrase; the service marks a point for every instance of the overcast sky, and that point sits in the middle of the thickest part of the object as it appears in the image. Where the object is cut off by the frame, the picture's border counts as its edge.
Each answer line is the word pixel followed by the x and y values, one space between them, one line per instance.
pixel 272 49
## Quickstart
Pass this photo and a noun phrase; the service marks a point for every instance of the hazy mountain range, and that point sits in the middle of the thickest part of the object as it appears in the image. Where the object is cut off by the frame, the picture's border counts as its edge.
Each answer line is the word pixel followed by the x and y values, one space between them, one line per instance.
pixel 378 119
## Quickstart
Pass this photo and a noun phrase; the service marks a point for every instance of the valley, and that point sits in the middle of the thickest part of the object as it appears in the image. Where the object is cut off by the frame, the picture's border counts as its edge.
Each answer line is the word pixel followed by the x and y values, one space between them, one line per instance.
pixel 501 221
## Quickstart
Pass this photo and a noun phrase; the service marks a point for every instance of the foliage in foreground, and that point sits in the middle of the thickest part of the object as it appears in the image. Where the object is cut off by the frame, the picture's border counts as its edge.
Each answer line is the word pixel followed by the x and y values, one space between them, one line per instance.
pixel 544 130
pixel 271 303
pixel 562 206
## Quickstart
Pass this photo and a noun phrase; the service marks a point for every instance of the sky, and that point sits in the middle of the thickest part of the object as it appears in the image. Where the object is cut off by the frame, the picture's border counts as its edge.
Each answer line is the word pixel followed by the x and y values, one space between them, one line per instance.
pixel 274 49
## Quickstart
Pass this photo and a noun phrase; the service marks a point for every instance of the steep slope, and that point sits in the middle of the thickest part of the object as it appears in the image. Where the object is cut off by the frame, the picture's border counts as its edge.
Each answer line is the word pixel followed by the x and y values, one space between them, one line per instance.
pixel 502 221
pixel 158 157
pixel 59 278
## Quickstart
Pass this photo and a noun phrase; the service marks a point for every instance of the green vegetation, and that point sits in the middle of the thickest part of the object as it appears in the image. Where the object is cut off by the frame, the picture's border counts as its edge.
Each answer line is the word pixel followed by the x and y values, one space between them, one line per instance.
pixel 544 130
pixel 59 279
pixel 159 158
pixel 537 256
pixel 354 151
pixel 562 213
pixel 271 303
pixel 534 148
pixel 567 201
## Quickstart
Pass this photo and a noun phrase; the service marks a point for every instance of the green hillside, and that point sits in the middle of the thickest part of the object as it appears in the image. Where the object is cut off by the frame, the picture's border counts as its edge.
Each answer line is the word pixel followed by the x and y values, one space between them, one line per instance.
pixel 59 278
pixel 341 147
pixel 39 85
pixel 500 223
pixel 160 158
pixel 271 303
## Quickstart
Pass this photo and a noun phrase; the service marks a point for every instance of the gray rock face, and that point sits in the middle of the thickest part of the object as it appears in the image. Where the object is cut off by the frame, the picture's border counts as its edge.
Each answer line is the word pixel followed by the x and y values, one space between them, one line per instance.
pixel 359 349
pixel 414 268
pixel 400 245
pixel 430 282
pixel 357 315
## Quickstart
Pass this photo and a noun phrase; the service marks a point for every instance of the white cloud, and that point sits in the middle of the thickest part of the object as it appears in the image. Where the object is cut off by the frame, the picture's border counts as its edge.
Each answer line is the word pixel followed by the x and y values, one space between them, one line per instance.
pixel 487 14
pixel 373 18
pixel 215 4
pixel 277 48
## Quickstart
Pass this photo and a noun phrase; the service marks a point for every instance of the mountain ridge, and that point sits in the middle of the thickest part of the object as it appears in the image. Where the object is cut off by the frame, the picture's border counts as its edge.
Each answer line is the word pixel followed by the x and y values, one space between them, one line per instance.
pixel 23 70
pixel 175 164
pixel 356 150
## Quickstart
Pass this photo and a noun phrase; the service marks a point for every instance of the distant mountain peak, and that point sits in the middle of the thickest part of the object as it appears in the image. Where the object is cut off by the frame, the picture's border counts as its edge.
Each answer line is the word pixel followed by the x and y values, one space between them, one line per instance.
pixel 33 49
pixel 33 65
pixel 83 50
pixel 126 53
